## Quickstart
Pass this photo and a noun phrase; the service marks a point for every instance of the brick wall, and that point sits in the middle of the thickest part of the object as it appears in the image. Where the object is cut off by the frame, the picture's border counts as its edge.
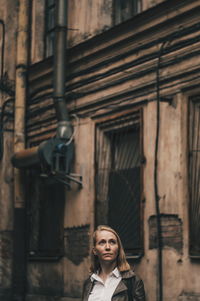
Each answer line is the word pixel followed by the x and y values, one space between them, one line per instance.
pixel 172 233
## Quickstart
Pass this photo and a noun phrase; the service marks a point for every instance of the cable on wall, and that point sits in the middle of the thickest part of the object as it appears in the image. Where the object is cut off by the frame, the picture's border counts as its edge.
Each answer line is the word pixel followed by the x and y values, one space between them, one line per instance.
pixel 157 198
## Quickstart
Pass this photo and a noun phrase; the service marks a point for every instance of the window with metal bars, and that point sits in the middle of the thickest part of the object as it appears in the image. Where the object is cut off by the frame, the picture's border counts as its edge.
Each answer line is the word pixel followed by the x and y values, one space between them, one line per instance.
pixel 45 207
pixel 125 9
pixel 119 178
pixel 194 176
pixel 49 26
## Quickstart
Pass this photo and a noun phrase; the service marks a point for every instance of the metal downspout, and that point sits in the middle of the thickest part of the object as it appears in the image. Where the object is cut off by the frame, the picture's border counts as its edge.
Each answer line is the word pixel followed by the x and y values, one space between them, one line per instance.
pixel 19 244
pixel 64 129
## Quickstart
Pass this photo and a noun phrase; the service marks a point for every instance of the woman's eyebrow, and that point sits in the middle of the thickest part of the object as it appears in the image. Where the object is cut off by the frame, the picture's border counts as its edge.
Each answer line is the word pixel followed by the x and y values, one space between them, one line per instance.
pixel 101 240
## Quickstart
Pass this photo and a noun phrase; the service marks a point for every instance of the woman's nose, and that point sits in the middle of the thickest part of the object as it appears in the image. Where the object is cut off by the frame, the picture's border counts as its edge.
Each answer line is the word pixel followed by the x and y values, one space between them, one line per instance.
pixel 107 246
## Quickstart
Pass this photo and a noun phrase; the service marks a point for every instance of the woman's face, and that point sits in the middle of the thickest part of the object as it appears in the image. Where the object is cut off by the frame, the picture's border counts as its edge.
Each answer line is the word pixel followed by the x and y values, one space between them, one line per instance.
pixel 106 247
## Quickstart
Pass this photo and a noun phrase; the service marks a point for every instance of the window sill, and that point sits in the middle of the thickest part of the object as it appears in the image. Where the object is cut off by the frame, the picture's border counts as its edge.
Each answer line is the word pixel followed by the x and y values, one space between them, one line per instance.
pixel 134 257
pixel 44 257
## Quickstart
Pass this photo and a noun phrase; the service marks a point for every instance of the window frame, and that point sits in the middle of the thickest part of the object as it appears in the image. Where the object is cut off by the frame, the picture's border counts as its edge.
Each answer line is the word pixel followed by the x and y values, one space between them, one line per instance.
pixel 35 193
pixel 49 31
pixel 135 8
pixel 102 121
pixel 192 101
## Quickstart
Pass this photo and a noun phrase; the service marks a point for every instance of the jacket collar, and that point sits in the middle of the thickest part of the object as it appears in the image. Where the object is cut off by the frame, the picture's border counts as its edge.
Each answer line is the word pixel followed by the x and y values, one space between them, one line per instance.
pixel 121 286
pixel 127 274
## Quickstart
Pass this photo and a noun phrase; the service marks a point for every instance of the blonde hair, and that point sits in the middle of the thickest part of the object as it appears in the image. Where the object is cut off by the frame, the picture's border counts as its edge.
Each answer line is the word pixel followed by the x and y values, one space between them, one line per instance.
pixel 122 263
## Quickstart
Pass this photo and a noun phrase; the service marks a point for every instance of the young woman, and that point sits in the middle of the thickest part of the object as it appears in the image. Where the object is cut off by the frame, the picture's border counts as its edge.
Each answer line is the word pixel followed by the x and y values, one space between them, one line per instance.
pixel 111 279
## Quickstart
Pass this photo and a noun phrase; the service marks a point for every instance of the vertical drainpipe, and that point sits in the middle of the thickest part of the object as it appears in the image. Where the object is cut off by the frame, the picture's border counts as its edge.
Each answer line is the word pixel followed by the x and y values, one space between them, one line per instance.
pixel 64 128
pixel 19 233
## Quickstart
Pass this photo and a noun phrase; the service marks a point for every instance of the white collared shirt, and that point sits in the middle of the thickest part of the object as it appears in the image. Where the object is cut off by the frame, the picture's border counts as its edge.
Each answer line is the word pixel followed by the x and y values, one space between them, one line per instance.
pixel 103 291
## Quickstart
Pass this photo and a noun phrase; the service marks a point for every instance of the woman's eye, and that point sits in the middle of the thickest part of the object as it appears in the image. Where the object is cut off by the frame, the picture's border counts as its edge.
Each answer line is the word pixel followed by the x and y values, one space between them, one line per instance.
pixel 103 242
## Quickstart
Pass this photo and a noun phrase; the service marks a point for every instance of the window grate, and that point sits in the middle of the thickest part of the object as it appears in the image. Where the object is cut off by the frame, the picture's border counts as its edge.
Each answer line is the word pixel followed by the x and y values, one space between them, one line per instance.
pixel 119 178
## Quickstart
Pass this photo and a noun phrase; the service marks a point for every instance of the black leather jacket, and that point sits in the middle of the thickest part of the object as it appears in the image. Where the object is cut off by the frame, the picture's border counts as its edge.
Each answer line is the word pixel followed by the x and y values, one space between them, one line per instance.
pixel 121 291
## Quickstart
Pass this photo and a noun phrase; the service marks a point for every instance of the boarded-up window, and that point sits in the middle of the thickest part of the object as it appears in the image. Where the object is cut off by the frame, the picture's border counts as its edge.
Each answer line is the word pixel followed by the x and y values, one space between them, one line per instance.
pixel 119 178
pixel 49 26
pixel 194 175
pixel 125 9
pixel 45 206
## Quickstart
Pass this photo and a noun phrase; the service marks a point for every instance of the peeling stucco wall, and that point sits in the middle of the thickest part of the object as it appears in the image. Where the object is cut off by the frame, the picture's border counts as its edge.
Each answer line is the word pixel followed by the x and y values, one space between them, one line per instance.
pixel 64 278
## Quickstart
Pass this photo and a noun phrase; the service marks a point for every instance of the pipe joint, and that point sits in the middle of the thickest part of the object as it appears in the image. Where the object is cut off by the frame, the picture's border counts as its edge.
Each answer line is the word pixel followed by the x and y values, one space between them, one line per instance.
pixel 58 98
pixel 64 130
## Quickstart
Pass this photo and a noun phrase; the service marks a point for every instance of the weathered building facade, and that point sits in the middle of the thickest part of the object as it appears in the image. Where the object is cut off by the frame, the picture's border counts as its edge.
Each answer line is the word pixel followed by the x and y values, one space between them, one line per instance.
pixel 132 93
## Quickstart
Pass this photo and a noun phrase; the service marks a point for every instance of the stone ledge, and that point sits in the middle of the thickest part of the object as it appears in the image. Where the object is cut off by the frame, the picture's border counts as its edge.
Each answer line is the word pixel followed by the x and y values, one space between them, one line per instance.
pixel 189 296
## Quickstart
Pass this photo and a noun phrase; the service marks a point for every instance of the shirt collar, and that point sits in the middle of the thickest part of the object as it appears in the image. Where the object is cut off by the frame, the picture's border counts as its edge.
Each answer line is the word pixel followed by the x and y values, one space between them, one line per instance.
pixel 115 272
